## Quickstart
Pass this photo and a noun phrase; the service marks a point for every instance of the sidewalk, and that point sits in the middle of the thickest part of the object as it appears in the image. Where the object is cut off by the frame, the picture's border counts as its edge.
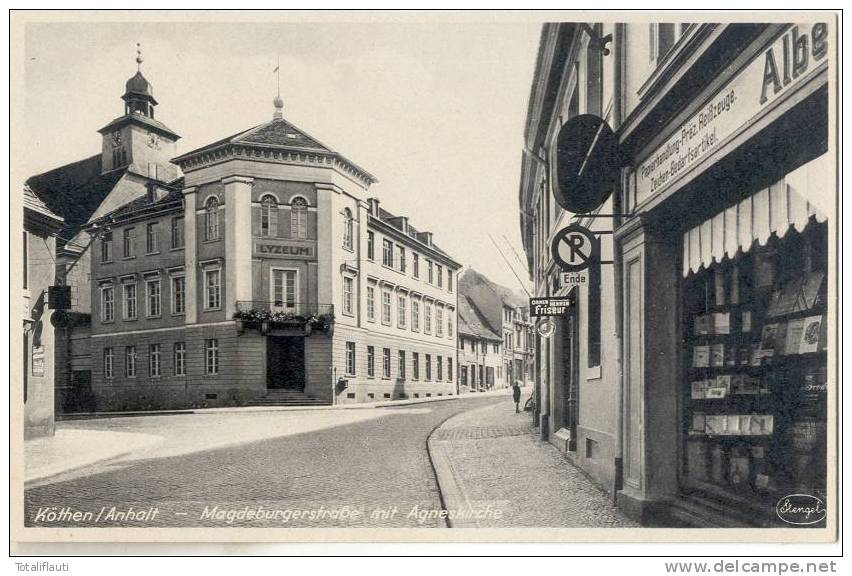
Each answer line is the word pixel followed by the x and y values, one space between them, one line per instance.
pixel 491 456
pixel 71 449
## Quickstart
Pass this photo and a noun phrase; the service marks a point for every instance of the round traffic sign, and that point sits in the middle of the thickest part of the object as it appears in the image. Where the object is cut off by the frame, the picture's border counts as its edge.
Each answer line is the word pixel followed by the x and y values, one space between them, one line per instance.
pixel 574 248
pixel 587 163
pixel 546 328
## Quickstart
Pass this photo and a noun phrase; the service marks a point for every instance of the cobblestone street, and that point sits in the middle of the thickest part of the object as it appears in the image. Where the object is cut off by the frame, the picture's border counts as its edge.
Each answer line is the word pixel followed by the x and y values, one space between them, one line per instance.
pixel 368 461
pixel 497 459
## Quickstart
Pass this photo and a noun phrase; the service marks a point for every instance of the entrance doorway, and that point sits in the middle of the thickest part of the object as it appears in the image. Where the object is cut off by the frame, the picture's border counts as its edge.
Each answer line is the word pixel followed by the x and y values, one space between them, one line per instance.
pixel 570 374
pixel 285 362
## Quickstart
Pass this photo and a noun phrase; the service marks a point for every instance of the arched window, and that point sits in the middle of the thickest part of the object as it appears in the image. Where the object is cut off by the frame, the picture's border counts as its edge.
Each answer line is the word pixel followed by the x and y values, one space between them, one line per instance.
pixel 347 228
pixel 211 219
pixel 299 218
pixel 268 216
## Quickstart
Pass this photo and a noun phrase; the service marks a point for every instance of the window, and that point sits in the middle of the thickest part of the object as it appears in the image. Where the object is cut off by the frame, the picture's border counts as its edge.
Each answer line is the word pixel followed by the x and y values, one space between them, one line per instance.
pixel 463 375
pixel 211 357
pixel 439 362
pixel 153 290
pixel 415 365
pixel 427 318
pixel 130 361
pixel 130 301
pixel 450 324
pixel 129 242
pixel 347 229
pixel 371 361
pixel 371 303
pixel 177 232
pixel 178 295
pixel 350 358
pixel 347 295
pixel 109 361
pixel 387 253
pixel 106 247
pixel 371 245
pixel 284 288
pixel 415 315
pixel 107 303
pixel 213 289
pixel 211 219
pixel 430 271
pixel 440 276
pixel 449 369
pixel 449 280
pixel 417 265
pixel 268 216
pixel 152 238
pixel 400 256
pixel 439 321
pixel 428 366
pixel 496 348
pixel 386 363
pixel 401 365
pixel 386 307
pixel 154 360
pixel 180 358
pixel 299 218
pixel 401 313
pixel 663 37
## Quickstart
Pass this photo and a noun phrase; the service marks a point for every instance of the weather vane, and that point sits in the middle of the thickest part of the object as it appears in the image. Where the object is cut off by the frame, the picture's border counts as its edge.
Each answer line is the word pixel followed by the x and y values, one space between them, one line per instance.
pixel 138 57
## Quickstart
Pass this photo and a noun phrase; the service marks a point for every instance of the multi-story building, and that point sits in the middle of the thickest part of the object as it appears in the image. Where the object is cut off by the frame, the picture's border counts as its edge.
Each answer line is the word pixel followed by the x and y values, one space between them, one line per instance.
pixel 505 313
pixel 480 356
pixel 264 272
pixel 37 278
pixel 665 380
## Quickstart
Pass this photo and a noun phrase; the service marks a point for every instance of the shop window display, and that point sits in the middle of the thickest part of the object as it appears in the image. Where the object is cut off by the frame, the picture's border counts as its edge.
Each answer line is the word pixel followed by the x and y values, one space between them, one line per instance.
pixel 754 356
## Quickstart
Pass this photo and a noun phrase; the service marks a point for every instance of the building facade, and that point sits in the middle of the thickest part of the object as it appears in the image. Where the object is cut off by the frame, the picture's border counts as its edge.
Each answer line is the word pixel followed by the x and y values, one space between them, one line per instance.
pixel 480 355
pixel 692 384
pixel 254 269
pixel 38 279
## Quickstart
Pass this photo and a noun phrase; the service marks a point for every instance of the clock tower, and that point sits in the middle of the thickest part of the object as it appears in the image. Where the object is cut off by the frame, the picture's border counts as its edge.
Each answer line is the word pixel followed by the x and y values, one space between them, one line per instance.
pixel 136 141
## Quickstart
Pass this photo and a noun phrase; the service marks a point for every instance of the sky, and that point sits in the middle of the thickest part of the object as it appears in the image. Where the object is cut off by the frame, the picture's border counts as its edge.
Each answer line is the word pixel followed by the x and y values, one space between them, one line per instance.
pixel 436 111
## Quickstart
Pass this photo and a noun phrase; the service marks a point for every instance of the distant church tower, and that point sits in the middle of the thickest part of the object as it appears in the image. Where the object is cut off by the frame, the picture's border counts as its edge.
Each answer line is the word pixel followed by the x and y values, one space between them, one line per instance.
pixel 136 141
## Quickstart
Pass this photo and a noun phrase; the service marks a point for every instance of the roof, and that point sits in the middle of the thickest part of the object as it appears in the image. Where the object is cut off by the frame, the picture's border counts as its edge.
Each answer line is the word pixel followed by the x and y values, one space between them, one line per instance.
pixel 278 134
pixel 507 295
pixel 471 323
pixel 74 192
pixel 145 204
pixel 138 84
pixel 140 119
pixel 395 221
pixel 34 203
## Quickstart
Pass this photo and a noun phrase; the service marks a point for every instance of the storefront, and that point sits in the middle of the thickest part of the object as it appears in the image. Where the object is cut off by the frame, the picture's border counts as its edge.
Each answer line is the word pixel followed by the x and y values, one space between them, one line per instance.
pixel 726 289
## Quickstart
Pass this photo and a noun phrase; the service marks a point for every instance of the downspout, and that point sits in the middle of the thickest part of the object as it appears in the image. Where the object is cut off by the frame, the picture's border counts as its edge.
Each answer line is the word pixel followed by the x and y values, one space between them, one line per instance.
pixel 617 114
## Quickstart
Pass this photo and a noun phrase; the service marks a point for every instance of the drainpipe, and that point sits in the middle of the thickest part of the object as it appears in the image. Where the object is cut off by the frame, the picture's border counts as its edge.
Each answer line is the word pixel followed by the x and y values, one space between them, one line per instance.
pixel 617 112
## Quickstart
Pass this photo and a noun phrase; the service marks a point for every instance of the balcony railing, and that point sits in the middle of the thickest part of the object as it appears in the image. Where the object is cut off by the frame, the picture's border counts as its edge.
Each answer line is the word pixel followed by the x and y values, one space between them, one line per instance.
pixel 283 309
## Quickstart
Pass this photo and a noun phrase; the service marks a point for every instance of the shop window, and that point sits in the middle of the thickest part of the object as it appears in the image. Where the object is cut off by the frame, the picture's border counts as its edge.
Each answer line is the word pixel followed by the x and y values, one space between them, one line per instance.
pixel 755 360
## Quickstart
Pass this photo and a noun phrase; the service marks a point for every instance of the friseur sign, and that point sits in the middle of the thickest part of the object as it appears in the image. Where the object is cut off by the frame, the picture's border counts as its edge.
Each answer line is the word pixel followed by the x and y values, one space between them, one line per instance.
pixel 788 60
pixel 293 249
pixel 549 306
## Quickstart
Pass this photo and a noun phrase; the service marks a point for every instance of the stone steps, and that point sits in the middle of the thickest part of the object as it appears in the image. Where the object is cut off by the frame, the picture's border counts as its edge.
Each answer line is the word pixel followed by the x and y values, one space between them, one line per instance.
pixel 286 398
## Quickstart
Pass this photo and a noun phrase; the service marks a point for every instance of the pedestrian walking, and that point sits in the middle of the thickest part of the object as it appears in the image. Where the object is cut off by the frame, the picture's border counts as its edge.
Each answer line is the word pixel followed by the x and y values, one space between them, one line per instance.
pixel 516 396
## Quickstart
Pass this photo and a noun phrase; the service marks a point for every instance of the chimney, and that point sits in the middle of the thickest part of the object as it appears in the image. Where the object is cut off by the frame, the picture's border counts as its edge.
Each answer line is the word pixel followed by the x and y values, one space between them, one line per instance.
pixel 425 237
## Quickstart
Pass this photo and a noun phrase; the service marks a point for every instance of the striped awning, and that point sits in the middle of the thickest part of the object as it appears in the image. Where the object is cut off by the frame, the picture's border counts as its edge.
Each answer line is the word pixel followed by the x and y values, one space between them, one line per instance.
pixel 789 203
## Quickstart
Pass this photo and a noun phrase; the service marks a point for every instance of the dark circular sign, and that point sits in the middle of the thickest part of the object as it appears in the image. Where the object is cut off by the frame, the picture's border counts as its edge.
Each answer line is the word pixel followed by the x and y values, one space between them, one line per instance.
pixel 587 163
pixel 574 248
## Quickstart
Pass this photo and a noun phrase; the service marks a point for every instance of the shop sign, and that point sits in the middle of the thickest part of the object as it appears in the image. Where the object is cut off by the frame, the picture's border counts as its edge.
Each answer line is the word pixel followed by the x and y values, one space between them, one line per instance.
pixel 791 58
pixel 38 360
pixel 284 249
pixel 548 306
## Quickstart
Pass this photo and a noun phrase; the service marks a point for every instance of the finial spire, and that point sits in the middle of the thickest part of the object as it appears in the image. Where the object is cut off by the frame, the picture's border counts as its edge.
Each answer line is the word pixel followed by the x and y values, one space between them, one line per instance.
pixel 138 57
pixel 277 101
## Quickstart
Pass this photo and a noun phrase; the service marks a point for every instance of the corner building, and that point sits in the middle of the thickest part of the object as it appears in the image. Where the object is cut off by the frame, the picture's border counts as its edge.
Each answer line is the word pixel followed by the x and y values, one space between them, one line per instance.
pixel 267 275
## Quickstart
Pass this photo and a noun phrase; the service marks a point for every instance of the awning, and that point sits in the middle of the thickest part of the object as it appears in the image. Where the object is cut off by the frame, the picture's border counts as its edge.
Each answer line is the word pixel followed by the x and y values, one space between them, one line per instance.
pixel 789 203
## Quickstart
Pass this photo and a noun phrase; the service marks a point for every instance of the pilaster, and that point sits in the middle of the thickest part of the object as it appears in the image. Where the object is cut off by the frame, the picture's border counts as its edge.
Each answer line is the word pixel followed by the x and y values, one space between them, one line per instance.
pixel 238 239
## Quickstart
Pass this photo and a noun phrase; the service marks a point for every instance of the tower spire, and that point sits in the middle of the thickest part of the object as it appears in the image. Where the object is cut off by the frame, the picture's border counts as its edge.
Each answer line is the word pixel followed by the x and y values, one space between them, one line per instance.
pixel 138 57
pixel 277 101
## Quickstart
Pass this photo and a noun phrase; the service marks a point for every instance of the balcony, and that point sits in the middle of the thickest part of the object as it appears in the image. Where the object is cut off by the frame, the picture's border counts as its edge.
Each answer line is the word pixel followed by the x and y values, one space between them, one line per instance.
pixel 271 315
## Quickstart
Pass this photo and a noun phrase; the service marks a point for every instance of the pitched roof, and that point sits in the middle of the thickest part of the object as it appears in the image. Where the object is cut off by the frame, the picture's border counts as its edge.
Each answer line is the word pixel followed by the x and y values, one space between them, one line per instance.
pixel 279 134
pixel 140 119
pixel 173 199
pixel 34 203
pixel 471 322
pixel 74 192
pixel 507 295
pixel 396 222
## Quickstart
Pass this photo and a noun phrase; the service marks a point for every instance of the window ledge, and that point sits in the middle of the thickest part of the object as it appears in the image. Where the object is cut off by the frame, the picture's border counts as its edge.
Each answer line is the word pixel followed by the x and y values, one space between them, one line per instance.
pixel 128 257
pixel 152 253
pixel 177 249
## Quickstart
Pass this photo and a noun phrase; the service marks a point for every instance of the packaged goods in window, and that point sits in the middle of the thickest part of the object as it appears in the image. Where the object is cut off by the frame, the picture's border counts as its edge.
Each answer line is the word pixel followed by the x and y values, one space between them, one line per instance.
pixel 735 285
pixel 697 460
pixel 701 356
pixel 810 336
pixel 745 322
pixel 813 385
pixel 717 464
pixel 764 269
pixel 794 335
pixel 720 387
pixel 699 423
pixel 721 323
pixel 808 295
pixel 761 424
pixel 714 424
pixel 717 355
pixel 699 390
pixel 803 435
pixel 744 384
pixel 740 469
pixel 783 300
pixel 768 341
pixel 732 425
pixel 719 286
pixel 703 324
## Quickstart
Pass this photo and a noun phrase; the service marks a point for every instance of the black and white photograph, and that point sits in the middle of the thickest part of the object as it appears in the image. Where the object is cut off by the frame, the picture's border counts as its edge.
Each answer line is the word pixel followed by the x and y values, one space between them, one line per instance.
pixel 424 277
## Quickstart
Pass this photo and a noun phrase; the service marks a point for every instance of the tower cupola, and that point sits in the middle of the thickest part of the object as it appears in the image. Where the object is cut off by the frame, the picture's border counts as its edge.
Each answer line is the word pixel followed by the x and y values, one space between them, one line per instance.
pixel 138 93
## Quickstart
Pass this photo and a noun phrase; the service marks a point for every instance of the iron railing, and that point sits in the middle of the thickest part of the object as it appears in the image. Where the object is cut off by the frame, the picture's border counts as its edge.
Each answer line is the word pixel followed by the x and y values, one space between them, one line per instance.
pixel 297 309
